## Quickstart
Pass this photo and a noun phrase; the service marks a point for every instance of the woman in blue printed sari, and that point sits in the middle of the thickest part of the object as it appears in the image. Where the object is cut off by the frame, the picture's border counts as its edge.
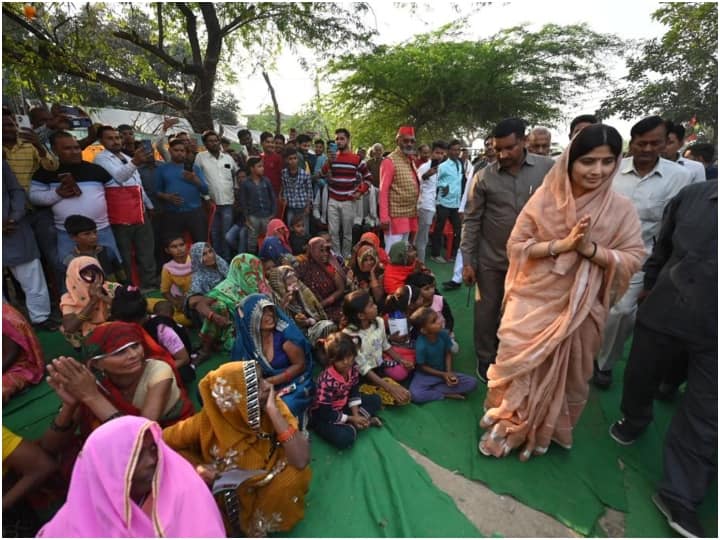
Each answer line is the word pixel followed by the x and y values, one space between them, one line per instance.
pixel 266 334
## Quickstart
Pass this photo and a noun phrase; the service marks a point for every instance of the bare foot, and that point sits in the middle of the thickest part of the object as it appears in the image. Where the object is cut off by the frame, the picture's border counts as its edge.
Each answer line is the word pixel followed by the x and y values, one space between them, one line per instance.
pixel 376 422
pixel 459 397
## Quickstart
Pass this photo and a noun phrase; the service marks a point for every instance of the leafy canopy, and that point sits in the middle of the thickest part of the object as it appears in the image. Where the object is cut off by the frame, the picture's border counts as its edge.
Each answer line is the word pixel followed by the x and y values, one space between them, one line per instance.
pixel 676 75
pixel 446 86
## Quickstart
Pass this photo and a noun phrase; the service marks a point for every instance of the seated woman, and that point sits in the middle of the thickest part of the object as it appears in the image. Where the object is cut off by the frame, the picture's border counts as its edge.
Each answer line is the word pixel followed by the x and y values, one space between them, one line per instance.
pixel 573 249
pixel 374 240
pixel 295 298
pixel 267 335
pixel 87 302
pixel 244 425
pixel 276 245
pixel 127 482
pixel 208 268
pixel 321 277
pixel 366 272
pixel 403 262
pixel 134 376
pixel 244 277
pixel 129 305
pixel 23 363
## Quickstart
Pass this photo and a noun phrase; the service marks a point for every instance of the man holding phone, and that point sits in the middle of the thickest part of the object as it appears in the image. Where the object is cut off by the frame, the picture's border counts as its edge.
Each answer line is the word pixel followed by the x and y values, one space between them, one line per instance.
pixel 138 234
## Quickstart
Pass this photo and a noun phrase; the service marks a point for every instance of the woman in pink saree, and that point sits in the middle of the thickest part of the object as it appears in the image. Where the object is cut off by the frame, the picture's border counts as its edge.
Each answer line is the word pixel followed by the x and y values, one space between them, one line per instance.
pixel 572 252
pixel 127 482
pixel 23 362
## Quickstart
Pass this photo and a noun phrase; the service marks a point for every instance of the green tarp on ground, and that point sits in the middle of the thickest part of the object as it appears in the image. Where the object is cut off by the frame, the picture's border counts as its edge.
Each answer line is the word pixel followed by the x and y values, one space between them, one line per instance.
pixel 395 497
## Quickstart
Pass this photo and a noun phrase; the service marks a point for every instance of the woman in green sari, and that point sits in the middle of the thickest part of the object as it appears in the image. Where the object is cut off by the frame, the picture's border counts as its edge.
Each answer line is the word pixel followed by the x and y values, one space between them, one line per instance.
pixel 216 308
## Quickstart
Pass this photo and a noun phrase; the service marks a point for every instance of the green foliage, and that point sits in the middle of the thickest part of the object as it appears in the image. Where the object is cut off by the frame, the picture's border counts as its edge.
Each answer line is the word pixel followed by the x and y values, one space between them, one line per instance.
pixel 304 121
pixel 225 108
pixel 163 53
pixel 453 87
pixel 675 76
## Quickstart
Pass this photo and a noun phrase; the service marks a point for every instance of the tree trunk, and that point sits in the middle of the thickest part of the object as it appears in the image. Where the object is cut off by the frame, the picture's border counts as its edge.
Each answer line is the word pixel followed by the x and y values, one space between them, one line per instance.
pixel 274 100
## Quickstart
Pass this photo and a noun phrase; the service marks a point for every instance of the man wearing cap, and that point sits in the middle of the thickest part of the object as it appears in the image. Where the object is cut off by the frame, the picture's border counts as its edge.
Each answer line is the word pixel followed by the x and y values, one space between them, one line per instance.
pixel 399 189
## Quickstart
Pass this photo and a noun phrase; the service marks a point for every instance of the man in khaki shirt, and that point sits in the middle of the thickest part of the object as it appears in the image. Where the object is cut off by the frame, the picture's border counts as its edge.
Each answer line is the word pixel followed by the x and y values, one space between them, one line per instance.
pixel 499 193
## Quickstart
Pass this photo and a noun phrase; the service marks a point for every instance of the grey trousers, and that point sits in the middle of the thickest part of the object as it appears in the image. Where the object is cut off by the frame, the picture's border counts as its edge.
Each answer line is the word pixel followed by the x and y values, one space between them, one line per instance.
pixel 491 284
pixel 422 237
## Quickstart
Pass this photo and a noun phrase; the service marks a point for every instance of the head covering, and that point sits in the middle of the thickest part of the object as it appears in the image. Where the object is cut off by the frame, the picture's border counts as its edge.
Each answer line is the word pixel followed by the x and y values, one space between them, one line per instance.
pixel 248 345
pixel 276 225
pixel 78 293
pixel 29 366
pixel 204 278
pixel 244 277
pixel 99 504
pixel 399 252
pixel 303 301
pixel 406 131
pixel 373 238
pixel 314 246
pixel 275 249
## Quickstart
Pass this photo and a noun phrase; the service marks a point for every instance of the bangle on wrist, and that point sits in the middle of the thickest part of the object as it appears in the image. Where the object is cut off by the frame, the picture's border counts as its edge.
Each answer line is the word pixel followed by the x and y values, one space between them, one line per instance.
pixel 551 250
pixel 594 252
pixel 114 415
pixel 286 435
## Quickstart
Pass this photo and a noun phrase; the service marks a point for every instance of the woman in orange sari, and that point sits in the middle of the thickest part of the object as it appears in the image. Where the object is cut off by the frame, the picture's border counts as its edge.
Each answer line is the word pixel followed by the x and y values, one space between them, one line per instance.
pixel 245 431
pixel 572 252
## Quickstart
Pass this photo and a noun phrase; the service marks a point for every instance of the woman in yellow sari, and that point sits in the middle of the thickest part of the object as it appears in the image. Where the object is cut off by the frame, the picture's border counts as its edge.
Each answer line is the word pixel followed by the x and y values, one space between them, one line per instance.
pixel 244 427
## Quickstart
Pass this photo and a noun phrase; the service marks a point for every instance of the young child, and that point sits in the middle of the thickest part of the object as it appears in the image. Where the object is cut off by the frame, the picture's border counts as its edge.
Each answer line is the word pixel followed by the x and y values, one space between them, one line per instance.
pixel 340 409
pixel 381 375
pixel 83 231
pixel 129 305
pixel 296 189
pixel 434 377
pixel 298 235
pixel 430 298
pixel 258 202
pixel 176 277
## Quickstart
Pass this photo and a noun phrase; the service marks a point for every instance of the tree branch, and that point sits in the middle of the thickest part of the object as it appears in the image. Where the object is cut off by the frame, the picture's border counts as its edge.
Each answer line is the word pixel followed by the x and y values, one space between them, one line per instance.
pixel 25 25
pixel 274 100
pixel 161 29
pixel 191 28
pixel 159 53
pixel 241 20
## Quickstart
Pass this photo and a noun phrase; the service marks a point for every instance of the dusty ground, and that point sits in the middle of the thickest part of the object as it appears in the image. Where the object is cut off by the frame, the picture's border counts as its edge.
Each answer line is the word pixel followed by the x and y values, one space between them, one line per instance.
pixel 502 515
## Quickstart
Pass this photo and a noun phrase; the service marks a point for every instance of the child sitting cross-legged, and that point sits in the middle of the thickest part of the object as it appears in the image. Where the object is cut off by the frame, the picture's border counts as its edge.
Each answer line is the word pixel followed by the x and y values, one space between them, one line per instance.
pixel 434 377
pixel 340 409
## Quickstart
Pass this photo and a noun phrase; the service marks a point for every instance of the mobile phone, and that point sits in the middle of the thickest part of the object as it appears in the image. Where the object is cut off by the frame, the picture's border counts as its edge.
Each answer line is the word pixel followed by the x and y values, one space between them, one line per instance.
pixel 188 166
pixel 434 163
pixel 332 147
pixel 147 146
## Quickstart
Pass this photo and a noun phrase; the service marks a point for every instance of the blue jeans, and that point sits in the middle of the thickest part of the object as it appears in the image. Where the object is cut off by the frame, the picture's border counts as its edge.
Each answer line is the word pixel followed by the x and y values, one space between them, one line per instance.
pixel 237 239
pixel 222 222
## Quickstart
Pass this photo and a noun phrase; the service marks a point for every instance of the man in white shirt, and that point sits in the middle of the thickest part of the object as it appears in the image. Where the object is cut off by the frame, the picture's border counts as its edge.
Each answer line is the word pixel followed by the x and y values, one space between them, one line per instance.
pixel 675 141
pixel 427 173
pixel 124 170
pixel 649 181
pixel 220 170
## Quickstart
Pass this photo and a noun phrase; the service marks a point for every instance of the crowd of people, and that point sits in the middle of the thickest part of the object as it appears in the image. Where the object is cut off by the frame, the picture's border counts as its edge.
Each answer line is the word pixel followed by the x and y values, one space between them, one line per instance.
pixel 305 271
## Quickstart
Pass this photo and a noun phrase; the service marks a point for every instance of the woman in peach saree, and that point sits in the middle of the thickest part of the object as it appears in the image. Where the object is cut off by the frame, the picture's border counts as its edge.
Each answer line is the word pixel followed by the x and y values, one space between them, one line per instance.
pixel 572 252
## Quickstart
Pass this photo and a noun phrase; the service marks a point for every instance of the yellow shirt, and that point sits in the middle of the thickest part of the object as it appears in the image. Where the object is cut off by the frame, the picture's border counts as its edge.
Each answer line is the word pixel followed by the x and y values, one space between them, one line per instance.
pixel 24 160
pixel 182 283
pixel 10 442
